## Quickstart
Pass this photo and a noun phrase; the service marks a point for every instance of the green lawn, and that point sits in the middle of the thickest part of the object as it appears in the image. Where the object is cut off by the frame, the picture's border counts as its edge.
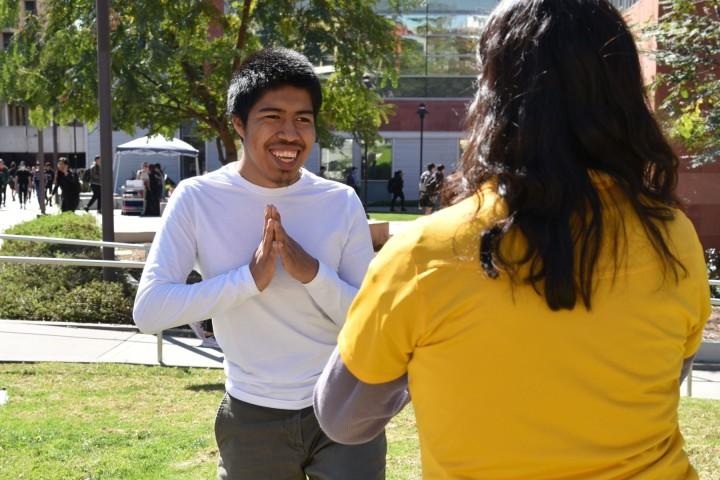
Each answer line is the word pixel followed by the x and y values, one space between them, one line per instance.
pixel 103 421
pixel 394 216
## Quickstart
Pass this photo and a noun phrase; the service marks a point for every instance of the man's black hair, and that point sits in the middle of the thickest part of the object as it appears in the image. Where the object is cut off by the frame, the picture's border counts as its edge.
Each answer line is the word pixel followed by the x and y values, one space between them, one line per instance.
pixel 269 69
pixel 430 166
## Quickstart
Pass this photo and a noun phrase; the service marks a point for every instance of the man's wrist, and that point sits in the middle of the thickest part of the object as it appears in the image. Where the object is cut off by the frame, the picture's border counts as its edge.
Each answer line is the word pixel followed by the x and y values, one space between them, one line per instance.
pixel 310 278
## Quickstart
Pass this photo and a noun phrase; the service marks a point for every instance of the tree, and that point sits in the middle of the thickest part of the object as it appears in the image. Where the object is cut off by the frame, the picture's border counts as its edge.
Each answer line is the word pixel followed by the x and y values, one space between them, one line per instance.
pixel 172 61
pixel 688 39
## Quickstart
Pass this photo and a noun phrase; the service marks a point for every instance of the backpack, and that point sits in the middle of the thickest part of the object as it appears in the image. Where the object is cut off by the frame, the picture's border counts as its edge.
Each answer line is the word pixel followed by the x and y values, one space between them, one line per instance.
pixel 86 176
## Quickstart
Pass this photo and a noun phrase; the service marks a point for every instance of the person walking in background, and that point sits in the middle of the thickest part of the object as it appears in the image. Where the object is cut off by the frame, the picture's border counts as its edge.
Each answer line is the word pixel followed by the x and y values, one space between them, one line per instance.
pixel 395 187
pixel 278 277
pixel 321 173
pixel 49 181
pixel 350 179
pixel 153 191
pixel 569 262
pixel 68 184
pixel 436 185
pixel 23 176
pixel 93 175
pixel 12 171
pixel 425 189
pixel 36 180
pixel 4 179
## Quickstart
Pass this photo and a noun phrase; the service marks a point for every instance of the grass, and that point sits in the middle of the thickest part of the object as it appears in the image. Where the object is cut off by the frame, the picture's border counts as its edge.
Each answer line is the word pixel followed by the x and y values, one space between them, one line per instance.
pixel 394 216
pixel 104 421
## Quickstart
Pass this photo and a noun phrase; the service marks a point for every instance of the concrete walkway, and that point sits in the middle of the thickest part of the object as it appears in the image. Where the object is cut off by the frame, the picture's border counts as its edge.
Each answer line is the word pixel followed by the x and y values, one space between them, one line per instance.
pixel 25 341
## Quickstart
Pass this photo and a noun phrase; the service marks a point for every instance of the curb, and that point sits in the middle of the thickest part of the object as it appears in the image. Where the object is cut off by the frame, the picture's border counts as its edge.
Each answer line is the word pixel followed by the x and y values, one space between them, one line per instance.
pixel 175 332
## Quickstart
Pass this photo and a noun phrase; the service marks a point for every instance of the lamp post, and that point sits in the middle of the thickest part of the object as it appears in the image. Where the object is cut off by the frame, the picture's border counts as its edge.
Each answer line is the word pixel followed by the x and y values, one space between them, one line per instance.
pixel 421 111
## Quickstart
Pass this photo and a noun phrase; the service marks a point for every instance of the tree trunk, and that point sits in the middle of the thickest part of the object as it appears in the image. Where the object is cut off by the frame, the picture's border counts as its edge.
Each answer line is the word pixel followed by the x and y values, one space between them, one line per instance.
pixel 227 140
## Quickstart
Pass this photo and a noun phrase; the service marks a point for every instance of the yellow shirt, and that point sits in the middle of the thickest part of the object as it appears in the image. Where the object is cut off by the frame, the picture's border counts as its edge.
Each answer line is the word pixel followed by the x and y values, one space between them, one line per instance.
pixel 505 388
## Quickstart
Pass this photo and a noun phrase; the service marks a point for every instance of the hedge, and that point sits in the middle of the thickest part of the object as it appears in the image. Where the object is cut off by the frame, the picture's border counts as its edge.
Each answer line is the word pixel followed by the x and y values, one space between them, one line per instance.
pixel 61 293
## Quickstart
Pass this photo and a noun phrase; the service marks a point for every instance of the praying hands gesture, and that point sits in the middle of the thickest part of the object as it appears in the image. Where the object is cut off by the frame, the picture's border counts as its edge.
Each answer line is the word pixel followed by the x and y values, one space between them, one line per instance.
pixel 275 243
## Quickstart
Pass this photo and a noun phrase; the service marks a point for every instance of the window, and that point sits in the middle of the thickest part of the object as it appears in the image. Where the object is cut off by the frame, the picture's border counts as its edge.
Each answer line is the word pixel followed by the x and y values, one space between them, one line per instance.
pixel 379 161
pixel 7 38
pixel 31 8
pixel 17 116
pixel 438 44
pixel 337 161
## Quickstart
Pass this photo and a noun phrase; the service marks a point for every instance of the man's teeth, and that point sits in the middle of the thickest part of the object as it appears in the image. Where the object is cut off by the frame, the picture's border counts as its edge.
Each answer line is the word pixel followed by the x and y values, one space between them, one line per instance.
pixel 285 156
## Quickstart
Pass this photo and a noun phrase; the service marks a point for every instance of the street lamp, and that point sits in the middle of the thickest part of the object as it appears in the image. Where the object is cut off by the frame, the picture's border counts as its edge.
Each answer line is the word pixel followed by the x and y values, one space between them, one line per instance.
pixel 421 111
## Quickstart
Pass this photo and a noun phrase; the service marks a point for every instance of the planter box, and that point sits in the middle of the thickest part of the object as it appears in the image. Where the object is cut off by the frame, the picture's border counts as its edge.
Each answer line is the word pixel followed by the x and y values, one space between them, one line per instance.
pixel 709 353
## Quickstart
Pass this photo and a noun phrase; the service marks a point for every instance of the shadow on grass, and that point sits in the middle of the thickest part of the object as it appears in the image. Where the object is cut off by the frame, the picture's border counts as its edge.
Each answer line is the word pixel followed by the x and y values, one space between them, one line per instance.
pixel 207 387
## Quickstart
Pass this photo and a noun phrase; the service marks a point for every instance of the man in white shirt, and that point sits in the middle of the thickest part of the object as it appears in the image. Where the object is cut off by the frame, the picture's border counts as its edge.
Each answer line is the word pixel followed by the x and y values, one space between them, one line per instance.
pixel 282 253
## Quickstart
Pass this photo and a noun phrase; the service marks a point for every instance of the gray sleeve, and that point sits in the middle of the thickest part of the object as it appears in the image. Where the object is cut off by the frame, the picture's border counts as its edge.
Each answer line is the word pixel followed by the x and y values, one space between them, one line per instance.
pixel 686 368
pixel 353 412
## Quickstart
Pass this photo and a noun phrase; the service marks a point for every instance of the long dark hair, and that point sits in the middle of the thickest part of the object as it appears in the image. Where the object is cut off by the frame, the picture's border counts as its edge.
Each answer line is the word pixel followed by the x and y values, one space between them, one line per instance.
pixel 560 95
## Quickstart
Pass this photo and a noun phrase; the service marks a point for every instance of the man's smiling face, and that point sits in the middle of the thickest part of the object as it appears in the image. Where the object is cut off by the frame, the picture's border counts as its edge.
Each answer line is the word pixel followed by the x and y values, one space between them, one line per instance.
pixel 277 138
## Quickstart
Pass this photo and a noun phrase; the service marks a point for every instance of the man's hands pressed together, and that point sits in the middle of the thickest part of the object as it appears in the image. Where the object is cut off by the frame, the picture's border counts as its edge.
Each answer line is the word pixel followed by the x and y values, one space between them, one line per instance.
pixel 275 243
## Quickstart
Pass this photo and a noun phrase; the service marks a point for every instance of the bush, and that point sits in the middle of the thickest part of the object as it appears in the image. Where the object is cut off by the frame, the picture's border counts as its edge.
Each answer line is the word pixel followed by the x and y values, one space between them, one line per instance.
pixel 712 257
pixel 61 293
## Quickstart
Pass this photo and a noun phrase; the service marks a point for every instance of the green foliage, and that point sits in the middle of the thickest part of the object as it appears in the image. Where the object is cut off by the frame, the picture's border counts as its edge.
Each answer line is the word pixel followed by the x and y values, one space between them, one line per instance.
pixel 688 39
pixel 712 258
pixel 172 61
pixel 60 293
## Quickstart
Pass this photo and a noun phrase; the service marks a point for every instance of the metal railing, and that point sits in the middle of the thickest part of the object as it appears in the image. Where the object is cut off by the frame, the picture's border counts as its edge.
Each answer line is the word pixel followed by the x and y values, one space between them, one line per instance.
pixel 130 265
pixel 80 262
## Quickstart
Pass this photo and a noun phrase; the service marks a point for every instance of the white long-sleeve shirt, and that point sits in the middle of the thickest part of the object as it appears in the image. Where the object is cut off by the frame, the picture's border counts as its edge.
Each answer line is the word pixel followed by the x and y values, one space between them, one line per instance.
pixel 276 342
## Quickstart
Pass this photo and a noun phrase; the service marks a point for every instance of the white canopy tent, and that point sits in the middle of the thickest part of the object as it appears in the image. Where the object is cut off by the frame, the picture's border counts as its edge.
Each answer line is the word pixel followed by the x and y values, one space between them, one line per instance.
pixel 155 145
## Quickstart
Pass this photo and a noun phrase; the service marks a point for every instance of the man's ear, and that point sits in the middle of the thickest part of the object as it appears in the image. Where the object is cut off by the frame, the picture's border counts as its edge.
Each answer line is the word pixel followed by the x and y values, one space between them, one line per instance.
pixel 239 127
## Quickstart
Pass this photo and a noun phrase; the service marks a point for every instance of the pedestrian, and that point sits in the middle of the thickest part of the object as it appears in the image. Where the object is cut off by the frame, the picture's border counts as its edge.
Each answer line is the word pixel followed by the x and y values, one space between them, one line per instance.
pixel 395 188
pixel 426 189
pixel 4 180
pixel 323 169
pixel 12 171
pixel 436 185
pixel 49 180
pixel 93 176
pixel 281 252
pixel 545 322
pixel 350 179
pixel 22 180
pixel 69 185
pixel 153 191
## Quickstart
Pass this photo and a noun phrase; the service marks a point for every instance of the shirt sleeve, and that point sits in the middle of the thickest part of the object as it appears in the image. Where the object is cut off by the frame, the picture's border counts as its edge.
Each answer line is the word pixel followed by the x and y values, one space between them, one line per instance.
pixel 163 298
pixel 350 411
pixel 388 316
pixel 334 291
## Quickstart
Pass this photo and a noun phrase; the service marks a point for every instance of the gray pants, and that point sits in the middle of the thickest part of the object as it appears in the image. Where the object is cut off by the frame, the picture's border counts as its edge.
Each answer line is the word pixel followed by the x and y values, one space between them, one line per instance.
pixel 260 443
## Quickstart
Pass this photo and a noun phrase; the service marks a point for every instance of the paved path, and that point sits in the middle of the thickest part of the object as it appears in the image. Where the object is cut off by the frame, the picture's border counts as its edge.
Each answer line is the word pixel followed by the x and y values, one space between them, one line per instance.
pixel 25 341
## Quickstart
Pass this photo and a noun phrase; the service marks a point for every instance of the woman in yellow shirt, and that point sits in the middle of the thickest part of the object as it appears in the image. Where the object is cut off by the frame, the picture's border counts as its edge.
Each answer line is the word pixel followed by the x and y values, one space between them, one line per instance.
pixel 541 324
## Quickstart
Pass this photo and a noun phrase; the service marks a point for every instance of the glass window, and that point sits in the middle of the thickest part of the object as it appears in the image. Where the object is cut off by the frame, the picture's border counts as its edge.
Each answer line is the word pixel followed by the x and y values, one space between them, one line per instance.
pixel 411 58
pixel 443 24
pixel 30 7
pixel 7 38
pixel 452 65
pixel 452 45
pixel 451 87
pixel 379 161
pixel 17 116
pixel 434 6
pixel 337 161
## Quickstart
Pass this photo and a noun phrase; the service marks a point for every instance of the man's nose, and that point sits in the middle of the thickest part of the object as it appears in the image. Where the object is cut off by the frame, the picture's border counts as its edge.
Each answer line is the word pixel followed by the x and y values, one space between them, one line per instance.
pixel 288 130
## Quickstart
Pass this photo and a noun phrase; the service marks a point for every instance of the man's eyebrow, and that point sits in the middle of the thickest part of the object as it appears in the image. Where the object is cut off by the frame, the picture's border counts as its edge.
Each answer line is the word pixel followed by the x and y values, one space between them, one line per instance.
pixel 276 109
